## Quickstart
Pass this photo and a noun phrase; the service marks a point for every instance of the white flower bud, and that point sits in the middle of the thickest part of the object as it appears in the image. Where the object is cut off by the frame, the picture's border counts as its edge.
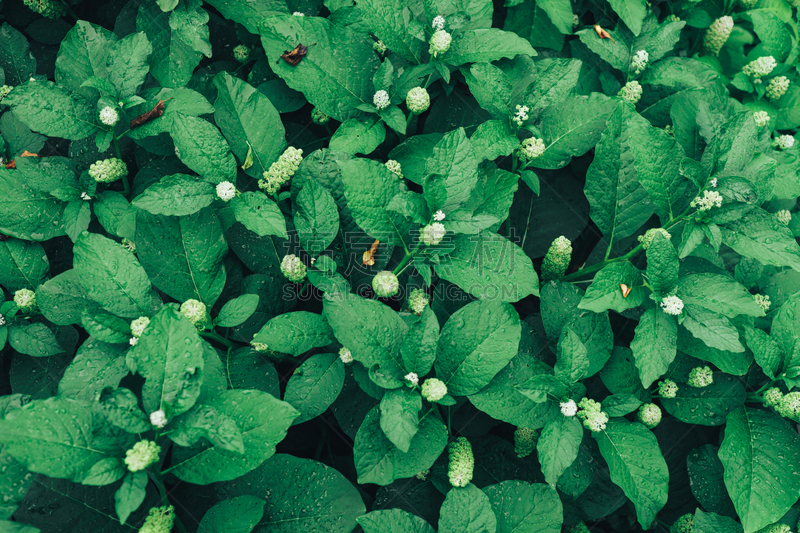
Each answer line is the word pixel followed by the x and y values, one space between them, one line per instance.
pixel 381 99
pixel 717 34
pixel 412 378
pixel 395 168
pixel 143 454
pixel 281 170
pixel 418 100
pixel 531 148
pixel 784 142
pixel 109 116
pixel 195 311
pixel 631 92
pixel 649 414
pixel 569 408
pixel 647 238
pixel 761 118
pixel 700 377
pixel 345 355
pixel 418 301
pixel 108 170
pixel 385 284
pixel 226 191
pixel 434 389
pixel 439 43
pixel 293 268
pixel 138 325
pixel 672 305
pixel 667 388
pixel 760 67
pixel 557 259
pixel 462 462
pixel 159 520
pixel 777 87
pixel 432 234
pixel 25 299
pixel 639 61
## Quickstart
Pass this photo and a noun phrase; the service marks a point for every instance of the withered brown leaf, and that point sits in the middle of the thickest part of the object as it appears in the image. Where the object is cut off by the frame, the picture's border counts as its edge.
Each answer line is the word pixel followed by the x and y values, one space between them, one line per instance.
pixel 603 34
pixel 156 112
pixel 13 164
pixel 294 57
pixel 369 255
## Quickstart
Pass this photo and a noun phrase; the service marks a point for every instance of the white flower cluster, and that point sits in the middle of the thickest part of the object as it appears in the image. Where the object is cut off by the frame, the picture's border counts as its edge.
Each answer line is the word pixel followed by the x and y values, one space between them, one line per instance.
pixel 700 377
pixel 299 14
pixel 772 397
pixel 395 168
pixel 143 454
pixel 385 284
pixel 784 142
pixel 748 4
pixel 569 408
pixel 521 115
pixel 462 462
pixel 345 355
pixel 439 215
pixel 381 99
pixel 418 301
pixel 293 268
pixel 158 418
pixel 226 191
pixel 639 61
pixel 418 100
pixel 777 87
pixel 25 299
pixel 434 389
pixel 557 259
pixel 412 378
pixel 2 320
pixel 594 419
pixel 379 47
pixel 647 238
pixel 438 23
pixel 432 234
pixel 758 68
pixel 649 414
pixel 531 148
pixel 710 199
pixel 667 388
pixel 717 34
pixel 195 311
pixel 439 43
pixel 789 405
pixel 108 170
pixel 137 328
pixel 159 520
pixel 672 305
pixel 761 118
pixel 713 182
pixel 4 91
pixel 784 216
pixel 631 92
pixel 85 196
pixel 109 116
pixel 762 300
pixel 281 170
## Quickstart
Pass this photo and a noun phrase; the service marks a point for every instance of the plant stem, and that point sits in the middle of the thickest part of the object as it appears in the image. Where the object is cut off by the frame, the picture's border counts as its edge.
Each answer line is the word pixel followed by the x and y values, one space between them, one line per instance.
pixel 162 491
pixel 217 337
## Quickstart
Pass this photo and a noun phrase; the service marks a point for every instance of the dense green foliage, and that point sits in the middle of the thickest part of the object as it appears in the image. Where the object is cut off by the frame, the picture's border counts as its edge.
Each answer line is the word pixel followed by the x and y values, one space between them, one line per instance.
pixel 399 266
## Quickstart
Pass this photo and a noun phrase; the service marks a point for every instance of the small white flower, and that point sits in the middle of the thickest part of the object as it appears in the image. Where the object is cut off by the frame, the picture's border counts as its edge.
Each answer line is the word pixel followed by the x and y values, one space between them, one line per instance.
pixel 439 43
pixel 784 142
pixel 158 418
pixel 531 148
pixel 762 300
pixel 761 118
pixel 784 216
pixel 298 14
pixel 226 191
pixel 109 116
pixel 85 196
pixel 2 320
pixel 418 301
pixel 777 87
pixel 128 245
pixel 395 168
pixel 345 355
pixel 759 68
pixel 412 378
pixel 133 341
pixel 713 182
pixel 418 100
pixel 432 234
pixel 569 408
pixel 293 268
pixel 522 115
pixel 631 92
pixel 439 215
pixel 381 99
pixel 710 199
pixel 260 347
pixel 25 299
pixel 672 305
pixel 385 284
pixel 438 23
pixel 639 61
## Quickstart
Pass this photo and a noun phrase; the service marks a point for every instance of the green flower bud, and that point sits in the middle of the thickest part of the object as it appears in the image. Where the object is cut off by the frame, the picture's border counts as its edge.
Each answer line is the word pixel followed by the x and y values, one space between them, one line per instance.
pixel 241 53
pixel 293 268
pixel 531 148
pixel 700 377
pixel 631 92
pixel 418 100
pixel 439 43
pixel 281 170
pixel 557 259
pixel 4 91
pixel 395 168
pixel 773 397
pixel 758 68
pixel 667 388
pixel 381 99
pixel 717 34
pixel 379 47
pixel 385 284
pixel 580 527
pixel 462 462
pixel 790 405
pixel 195 311
pixel 108 170
pixel 47 8
pixel 138 325
pixel 159 520
pixel 649 414
pixel 418 301
pixel 777 87
pixel 25 300
pixel 647 238
pixel 434 390
pixel 318 117
pixel 683 524
pixel 143 454
pixel 432 234
pixel 525 440
pixel 762 300
pixel 594 419
pixel 345 355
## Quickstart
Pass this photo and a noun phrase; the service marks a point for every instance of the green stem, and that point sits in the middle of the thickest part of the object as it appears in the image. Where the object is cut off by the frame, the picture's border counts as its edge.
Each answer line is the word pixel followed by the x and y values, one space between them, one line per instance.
pixel 162 491
pixel 404 262
pixel 217 337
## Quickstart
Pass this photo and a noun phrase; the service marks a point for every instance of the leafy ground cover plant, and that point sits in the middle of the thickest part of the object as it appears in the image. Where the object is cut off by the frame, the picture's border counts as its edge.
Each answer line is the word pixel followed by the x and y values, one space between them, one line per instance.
pixel 384 266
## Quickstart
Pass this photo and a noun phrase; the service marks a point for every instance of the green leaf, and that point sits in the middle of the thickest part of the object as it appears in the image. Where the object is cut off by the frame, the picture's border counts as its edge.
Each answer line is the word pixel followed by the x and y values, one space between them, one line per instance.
pixel 263 422
pixel 381 462
pixel 176 195
pixel 636 465
pixel 301 494
pixel 188 22
pixel 18 136
pixel 713 329
pixel 259 214
pixel 315 385
pixel 400 416
pixel 201 147
pixel 358 136
pixel 83 53
pixel 393 521
pixel 621 404
pixel 35 339
pixel 734 363
pixel 707 406
pixel 489 267
pixel 654 345
pixel 16 60
pixel 662 265
pixel 127 64
pixel 555 80
pixel 169 357
pixel 469 357
pixel 112 276
pixel 784 330
pixel 766 350
pixel 239 514
pixel 657 40
pixel 522 507
pixel 206 422
pixel 775 37
pixel 62 299
pixel 121 407
pixel 761 236
pixel 183 256
pixel 316 217
pixel 572 127
pixel 759 453
pixel 372 332
pixel 710 522
pixel 560 13
pixel 336 75
pixel 657 157
pixel 54 437
pixel 131 494
pixel 419 344
pixel 718 293
pixel 173 60
pixel 249 14
pixel 236 311
pixel 52 110
pixel 369 187
pixel 491 140
pixel 486 45
pixel 23 265
pixel 295 333
pixel 632 13
pixel 605 292
pixel 467 510
pixel 558 447
pixel 454 160
pixel 572 359
pixel 706 479
pixel 490 87
pixel 390 21
pixel 248 119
